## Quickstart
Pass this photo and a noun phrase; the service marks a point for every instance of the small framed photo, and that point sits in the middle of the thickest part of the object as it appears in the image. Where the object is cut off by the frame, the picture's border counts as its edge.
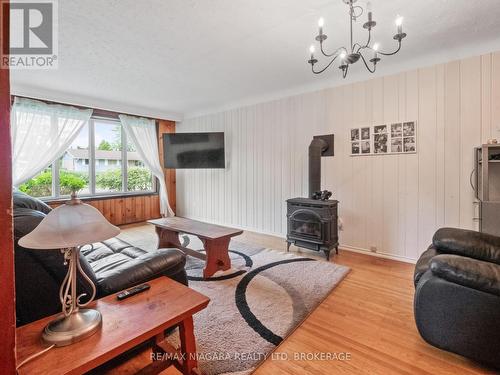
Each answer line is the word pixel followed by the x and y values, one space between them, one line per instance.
pixel 365 134
pixel 366 147
pixel 397 145
pixel 396 130
pixel 380 129
pixel 354 135
pixel 409 144
pixel 408 129
pixel 380 143
pixel 355 148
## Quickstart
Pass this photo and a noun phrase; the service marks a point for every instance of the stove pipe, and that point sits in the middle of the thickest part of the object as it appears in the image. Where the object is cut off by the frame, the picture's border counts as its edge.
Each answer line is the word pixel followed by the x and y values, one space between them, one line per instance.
pixel 316 149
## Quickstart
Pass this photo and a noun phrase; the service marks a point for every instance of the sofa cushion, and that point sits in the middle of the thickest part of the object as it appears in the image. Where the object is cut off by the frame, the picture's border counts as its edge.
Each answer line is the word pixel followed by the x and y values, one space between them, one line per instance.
pixel 100 250
pixel 423 263
pixel 25 220
pixel 22 200
pixel 118 265
pixel 123 247
pixel 472 273
pixel 119 271
pixel 468 243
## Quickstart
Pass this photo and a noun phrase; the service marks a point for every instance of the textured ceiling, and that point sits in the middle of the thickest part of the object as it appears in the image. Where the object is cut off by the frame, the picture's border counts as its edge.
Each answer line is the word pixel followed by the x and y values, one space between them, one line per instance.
pixel 174 57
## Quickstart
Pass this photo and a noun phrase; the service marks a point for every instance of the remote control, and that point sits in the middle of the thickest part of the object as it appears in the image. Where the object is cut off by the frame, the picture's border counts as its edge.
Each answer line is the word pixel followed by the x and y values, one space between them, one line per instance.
pixel 130 292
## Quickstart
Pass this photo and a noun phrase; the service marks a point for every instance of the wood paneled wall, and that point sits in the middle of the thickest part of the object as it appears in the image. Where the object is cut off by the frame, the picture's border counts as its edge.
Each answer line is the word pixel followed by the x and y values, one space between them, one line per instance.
pixel 125 210
pixel 391 202
pixel 7 288
pixel 165 126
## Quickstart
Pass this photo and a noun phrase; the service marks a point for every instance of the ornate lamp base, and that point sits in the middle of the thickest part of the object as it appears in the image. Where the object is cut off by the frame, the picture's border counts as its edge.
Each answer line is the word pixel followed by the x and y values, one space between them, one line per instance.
pixel 78 325
pixel 75 323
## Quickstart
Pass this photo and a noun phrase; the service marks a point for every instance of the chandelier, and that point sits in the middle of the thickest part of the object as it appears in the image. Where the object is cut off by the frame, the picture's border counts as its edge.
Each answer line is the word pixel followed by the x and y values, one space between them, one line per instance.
pixel 356 51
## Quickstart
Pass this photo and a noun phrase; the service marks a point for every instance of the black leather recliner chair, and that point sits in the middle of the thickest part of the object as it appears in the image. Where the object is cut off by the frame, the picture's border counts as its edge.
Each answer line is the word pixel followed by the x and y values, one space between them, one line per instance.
pixel 457 296
pixel 112 265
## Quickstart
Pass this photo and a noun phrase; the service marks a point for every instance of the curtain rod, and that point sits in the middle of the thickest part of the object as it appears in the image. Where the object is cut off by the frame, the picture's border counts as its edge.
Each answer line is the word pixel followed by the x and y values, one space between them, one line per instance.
pixel 96 111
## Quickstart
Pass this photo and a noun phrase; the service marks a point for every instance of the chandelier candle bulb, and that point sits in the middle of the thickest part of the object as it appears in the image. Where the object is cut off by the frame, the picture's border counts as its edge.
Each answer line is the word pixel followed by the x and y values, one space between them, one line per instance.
pixel 369 9
pixel 321 23
pixel 342 60
pixel 312 60
pixel 399 24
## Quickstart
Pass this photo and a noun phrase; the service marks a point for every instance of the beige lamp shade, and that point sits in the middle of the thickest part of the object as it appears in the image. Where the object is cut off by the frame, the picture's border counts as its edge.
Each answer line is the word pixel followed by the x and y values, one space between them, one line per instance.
pixel 70 225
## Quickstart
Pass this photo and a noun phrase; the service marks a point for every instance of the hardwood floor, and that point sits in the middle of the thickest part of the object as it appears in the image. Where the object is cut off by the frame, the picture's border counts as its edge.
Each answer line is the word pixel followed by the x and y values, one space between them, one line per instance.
pixel 369 315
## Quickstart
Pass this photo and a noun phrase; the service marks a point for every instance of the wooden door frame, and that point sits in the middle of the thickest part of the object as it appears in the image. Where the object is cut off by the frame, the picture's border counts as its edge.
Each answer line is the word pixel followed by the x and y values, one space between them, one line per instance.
pixel 164 127
pixel 7 289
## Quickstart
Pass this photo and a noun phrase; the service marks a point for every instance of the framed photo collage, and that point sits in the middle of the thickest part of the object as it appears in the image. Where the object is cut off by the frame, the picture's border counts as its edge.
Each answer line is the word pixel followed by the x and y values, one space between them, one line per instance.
pixel 397 138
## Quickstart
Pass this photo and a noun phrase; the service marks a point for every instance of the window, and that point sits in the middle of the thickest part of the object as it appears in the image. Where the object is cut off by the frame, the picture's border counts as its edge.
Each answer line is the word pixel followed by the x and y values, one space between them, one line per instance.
pixel 108 145
pixel 74 165
pixel 99 161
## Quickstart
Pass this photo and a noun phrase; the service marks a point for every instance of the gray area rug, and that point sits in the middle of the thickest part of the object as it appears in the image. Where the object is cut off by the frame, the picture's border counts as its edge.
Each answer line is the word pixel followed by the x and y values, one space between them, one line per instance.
pixel 254 305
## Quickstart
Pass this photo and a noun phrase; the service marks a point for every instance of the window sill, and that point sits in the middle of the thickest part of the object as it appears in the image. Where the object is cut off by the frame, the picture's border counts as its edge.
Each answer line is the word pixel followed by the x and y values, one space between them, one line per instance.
pixel 100 197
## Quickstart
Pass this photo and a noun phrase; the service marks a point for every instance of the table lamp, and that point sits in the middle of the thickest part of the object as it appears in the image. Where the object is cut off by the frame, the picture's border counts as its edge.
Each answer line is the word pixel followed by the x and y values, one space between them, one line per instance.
pixel 69 227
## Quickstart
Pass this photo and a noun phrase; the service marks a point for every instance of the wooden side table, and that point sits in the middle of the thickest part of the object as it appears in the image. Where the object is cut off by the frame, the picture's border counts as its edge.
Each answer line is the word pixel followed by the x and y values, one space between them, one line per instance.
pixel 125 325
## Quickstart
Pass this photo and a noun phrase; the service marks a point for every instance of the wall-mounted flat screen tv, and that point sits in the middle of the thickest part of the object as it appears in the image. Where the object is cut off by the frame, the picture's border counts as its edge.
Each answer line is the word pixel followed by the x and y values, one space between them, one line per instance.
pixel 193 150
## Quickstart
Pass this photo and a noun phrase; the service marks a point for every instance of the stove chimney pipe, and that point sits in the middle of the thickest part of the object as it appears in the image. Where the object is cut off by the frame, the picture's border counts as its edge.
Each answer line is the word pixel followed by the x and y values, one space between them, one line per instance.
pixel 317 147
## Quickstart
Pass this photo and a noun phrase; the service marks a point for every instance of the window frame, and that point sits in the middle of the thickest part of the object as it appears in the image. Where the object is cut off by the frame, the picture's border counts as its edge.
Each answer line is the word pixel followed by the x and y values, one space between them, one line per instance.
pixel 123 164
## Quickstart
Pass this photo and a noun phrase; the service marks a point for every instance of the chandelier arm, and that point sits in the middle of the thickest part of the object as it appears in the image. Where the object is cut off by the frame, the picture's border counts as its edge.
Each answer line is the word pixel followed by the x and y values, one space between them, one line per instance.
pixel 369 38
pixel 352 16
pixel 325 68
pixel 391 53
pixel 366 64
pixel 367 45
pixel 330 54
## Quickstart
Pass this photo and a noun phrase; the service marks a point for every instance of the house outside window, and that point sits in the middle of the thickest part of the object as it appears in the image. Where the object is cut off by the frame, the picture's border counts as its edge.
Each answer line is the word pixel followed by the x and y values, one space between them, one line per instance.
pixel 96 157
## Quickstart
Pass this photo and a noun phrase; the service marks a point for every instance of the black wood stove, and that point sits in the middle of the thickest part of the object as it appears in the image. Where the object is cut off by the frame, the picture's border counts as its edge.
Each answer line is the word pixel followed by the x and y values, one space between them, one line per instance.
pixel 312 222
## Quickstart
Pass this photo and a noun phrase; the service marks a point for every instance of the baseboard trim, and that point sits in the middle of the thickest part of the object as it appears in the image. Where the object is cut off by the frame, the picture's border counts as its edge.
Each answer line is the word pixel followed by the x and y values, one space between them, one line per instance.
pixel 341 246
pixel 378 254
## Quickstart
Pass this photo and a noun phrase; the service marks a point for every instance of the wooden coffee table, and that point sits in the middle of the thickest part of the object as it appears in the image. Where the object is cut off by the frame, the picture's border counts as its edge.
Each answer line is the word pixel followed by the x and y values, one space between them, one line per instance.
pixel 125 324
pixel 215 239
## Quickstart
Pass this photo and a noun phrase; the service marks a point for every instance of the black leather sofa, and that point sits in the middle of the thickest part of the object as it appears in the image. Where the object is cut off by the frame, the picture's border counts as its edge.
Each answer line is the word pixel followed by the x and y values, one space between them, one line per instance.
pixel 112 265
pixel 457 296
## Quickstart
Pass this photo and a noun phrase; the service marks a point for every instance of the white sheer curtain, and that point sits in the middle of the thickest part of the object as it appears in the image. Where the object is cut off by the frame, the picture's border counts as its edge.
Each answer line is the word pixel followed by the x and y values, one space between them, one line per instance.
pixel 41 133
pixel 142 132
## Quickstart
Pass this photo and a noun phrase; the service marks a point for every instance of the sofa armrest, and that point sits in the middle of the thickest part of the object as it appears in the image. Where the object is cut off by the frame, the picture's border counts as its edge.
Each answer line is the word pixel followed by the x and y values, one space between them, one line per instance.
pixel 423 263
pixel 471 273
pixel 162 262
pixel 468 243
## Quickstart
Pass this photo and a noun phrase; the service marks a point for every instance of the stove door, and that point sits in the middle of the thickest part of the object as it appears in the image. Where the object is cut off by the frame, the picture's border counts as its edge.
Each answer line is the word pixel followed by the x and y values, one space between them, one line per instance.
pixel 306 224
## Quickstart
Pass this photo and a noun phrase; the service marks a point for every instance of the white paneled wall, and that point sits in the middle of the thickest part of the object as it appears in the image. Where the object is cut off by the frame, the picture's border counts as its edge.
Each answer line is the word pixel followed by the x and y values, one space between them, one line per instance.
pixel 391 202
